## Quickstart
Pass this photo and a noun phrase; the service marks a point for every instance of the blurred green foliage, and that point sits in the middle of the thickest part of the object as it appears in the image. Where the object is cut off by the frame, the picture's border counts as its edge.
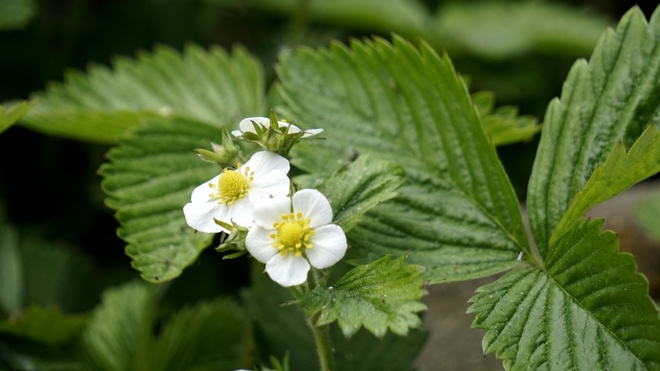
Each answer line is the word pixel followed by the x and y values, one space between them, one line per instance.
pixel 58 245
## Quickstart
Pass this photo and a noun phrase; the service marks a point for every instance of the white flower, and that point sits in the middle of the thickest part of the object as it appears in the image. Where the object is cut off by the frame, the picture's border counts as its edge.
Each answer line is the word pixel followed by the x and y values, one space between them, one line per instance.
pixel 232 195
pixel 247 125
pixel 289 234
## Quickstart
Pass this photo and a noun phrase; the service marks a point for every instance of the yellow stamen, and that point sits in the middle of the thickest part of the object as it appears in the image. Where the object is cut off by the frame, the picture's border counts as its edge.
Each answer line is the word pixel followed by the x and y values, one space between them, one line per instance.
pixel 233 185
pixel 292 234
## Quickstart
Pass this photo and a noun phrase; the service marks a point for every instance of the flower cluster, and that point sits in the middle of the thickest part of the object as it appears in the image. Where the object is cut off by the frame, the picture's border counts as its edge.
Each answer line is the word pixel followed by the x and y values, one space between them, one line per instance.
pixel 289 233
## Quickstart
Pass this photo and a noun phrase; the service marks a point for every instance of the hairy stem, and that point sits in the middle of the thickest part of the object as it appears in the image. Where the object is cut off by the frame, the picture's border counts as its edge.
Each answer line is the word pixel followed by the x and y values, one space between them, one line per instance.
pixel 323 346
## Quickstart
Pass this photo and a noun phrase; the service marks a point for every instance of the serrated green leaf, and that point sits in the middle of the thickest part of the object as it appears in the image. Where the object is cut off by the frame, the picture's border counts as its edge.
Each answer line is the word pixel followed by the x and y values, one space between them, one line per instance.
pixel 45 325
pixel 457 213
pixel 357 188
pixel 151 175
pixel 379 296
pixel 499 29
pixel 588 309
pixel 211 87
pixel 503 125
pixel 620 171
pixel 611 98
pixel 16 13
pixel 10 114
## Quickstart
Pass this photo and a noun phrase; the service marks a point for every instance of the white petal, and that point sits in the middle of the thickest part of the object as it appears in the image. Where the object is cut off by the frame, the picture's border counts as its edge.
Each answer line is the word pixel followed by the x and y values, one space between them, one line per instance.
pixel 202 193
pixel 259 244
pixel 328 246
pixel 246 124
pixel 288 270
pixel 240 212
pixel 273 184
pixel 311 132
pixel 264 162
pixel 313 205
pixel 237 133
pixel 270 211
pixel 199 215
pixel 293 129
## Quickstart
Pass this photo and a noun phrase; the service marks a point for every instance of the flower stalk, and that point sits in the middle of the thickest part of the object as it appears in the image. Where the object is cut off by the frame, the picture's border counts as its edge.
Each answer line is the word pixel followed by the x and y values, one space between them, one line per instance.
pixel 323 346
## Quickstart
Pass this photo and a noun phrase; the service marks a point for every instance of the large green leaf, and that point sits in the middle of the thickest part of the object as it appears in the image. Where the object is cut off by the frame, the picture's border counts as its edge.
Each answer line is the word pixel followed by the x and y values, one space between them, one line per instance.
pixel 379 296
pixel 611 98
pixel 207 86
pixel 457 213
pixel 587 309
pixel 151 175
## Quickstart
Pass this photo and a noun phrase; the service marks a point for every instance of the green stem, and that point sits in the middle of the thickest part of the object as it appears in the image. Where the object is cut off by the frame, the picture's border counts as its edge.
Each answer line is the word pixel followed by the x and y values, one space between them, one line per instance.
pixel 323 346
pixel 318 278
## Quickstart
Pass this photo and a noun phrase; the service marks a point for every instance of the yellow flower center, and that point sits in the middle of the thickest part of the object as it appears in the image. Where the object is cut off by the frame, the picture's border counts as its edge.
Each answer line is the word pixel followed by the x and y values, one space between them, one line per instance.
pixel 292 234
pixel 232 185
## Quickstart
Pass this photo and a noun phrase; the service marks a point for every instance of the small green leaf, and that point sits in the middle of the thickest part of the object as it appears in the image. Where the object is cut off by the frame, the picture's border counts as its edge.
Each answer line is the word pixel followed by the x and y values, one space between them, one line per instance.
pixel 588 309
pixel 620 171
pixel 151 175
pixel 456 213
pixel 211 87
pixel 503 125
pixel 10 114
pixel 16 14
pixel 608 100
pixel 381 295
pixel 45 325
pixel 357 188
